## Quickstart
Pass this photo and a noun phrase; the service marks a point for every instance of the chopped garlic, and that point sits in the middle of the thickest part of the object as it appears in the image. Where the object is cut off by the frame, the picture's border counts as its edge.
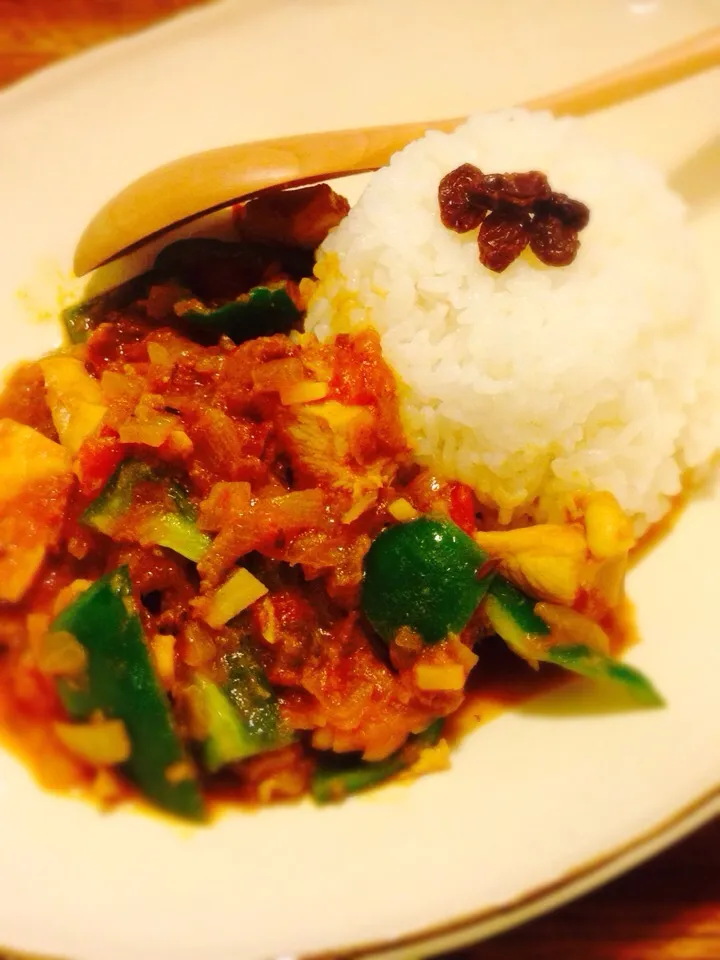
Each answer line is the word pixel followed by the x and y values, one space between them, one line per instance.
pixel 101 744
pixel 157 353
pixel 163 651
pixel 237 593
pixel 61 655
pixel 304 392
pixel 462 653
pixel 402 510
pixel 66 596
pixel 268 621
pixel 179 771
pixel 429 676
pixel 180 443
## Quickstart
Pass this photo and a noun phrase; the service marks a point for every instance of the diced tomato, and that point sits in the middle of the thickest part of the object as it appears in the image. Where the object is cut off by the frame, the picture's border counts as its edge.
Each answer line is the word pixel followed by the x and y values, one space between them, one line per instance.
pixel 97 460
pixel 462 507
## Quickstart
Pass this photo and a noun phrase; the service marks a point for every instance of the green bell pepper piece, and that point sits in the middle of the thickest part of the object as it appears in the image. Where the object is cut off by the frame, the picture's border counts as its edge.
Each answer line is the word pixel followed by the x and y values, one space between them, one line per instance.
pixel 597 666
pixel 82 318
pixel 337 775
pixel 243 716
pixel 271 305
pixel 175 530
pixel 423 574
pixel 78 322
pixel 228 292
pixel 108 508
pixel 225 741
pixel 514 611
pixel 121 683
pixel 512 616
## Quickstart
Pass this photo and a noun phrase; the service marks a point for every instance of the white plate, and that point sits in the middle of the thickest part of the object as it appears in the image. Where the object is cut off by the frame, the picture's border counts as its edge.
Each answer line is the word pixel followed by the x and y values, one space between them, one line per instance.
pixel 539 805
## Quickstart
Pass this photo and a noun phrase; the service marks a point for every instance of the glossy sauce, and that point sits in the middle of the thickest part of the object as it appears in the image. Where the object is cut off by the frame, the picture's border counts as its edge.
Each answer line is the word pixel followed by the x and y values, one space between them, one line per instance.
pixel 502 681
pixel 224 399
pixel 28 704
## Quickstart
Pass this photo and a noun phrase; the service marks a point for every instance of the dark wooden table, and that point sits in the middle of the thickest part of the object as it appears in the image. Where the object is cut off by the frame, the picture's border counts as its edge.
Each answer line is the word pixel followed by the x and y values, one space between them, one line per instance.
pixel 668 909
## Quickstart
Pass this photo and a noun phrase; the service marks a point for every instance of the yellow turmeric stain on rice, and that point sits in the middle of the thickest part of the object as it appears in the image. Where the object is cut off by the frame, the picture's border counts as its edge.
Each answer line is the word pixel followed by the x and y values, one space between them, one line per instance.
pixel 347 310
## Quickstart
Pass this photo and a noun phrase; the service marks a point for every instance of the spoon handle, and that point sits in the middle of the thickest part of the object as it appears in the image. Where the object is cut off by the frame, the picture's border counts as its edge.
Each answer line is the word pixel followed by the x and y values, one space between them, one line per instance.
pixel 188 188
pixel 660 69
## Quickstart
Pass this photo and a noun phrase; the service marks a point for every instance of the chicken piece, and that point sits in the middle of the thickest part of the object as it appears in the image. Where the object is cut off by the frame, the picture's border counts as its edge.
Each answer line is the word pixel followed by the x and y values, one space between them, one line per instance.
pixel 548 560
pixel 74 398
pixel 35 481
pixel 324 441
pixel 253 526
pixel 297 218
pixel 317 438
pixel 338 415
pixel 30 462
pixel 581 563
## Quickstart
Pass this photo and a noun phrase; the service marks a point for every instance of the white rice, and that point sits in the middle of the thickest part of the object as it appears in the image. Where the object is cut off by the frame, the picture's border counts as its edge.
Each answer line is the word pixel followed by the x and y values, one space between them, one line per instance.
pixel 539 380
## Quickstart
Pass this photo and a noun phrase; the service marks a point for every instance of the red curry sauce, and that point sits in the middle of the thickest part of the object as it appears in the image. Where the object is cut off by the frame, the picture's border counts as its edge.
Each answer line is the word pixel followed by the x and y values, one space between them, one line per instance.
pixel 291 456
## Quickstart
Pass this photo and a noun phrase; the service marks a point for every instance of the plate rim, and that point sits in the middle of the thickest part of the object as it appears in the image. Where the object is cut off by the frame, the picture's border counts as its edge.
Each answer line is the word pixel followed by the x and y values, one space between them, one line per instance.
pixel 477 927
pixel 594 873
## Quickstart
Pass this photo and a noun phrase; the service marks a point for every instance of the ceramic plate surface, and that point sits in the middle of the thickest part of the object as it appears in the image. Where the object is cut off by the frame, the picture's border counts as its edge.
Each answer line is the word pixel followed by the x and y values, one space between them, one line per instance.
pixel 539 805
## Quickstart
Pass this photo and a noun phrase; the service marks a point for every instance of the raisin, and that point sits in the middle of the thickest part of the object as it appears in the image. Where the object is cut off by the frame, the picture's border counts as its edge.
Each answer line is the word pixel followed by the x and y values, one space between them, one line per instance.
pixel 552 241
pixel 459 210
pixel 503 236
pixel 517 189
pixel 512 210
pixel 573 213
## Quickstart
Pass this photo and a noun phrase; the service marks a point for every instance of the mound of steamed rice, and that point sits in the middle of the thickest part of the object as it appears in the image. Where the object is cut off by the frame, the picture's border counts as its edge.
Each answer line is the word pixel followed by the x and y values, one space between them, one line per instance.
pixel 539 380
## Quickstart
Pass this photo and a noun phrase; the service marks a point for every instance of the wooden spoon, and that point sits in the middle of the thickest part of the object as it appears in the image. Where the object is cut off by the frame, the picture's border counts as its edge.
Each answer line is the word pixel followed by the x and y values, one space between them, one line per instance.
pixel 193 186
